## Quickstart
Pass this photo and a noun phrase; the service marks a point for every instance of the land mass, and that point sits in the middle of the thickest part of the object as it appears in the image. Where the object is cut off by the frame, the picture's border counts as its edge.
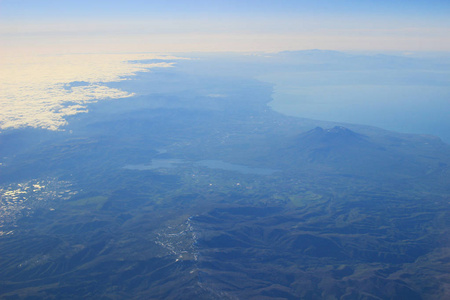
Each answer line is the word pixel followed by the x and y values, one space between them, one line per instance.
pixel 231 200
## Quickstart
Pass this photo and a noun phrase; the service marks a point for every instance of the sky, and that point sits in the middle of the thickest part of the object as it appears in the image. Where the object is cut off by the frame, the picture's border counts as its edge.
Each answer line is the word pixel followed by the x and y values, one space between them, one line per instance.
pixel 96 26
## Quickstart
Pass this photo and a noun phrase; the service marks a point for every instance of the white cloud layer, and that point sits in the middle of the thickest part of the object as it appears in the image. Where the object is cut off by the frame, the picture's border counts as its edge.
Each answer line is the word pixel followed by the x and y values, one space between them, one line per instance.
pixel 34 90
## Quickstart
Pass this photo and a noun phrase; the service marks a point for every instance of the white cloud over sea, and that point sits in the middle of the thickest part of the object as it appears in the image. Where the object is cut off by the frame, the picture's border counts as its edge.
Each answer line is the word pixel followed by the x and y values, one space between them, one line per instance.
pixel 35 91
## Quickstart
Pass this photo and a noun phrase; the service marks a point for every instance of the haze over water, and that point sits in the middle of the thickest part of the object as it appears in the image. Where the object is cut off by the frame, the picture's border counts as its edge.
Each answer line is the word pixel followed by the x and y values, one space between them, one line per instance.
pixel 409 101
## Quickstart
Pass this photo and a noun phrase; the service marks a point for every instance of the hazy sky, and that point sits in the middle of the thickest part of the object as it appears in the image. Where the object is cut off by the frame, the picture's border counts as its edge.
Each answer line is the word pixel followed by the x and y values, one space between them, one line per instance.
pixel 160 26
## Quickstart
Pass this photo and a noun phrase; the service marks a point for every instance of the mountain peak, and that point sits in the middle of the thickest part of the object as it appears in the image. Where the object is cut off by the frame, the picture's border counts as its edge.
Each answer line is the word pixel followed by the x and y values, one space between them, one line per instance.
pixel 331 136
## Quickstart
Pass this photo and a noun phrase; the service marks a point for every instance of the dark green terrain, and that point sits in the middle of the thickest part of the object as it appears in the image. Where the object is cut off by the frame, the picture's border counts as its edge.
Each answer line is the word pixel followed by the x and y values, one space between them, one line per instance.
pixel 177 194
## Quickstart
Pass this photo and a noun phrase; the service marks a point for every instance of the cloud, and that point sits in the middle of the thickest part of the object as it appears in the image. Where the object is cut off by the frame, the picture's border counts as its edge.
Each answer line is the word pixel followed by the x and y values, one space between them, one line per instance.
pixel 34 89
